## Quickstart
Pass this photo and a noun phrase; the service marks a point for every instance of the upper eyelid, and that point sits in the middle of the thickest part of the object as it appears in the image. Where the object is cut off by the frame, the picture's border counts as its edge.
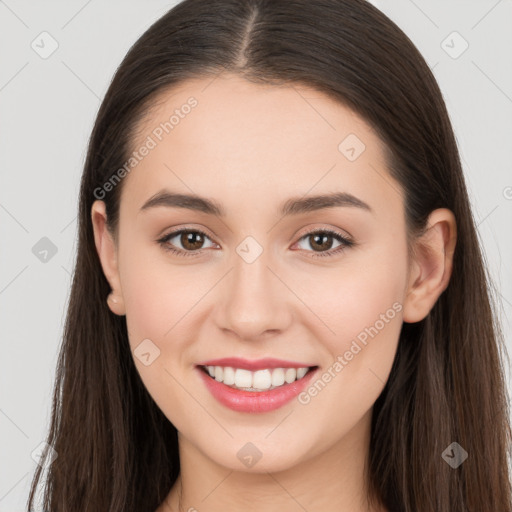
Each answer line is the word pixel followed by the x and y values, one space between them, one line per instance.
pixel 332 231
pixel 178 231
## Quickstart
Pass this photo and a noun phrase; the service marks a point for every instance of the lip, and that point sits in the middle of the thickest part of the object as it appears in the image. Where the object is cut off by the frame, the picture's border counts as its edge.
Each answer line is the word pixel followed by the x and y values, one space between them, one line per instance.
pixel 254 365
pixel 255 401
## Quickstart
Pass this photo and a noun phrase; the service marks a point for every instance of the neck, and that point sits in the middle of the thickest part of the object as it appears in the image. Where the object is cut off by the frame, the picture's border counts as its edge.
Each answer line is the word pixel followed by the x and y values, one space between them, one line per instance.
pixel 333 480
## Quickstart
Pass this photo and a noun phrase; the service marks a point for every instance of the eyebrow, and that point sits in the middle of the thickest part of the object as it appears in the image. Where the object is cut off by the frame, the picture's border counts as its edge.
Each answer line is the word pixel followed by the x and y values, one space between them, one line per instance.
pixel 293 206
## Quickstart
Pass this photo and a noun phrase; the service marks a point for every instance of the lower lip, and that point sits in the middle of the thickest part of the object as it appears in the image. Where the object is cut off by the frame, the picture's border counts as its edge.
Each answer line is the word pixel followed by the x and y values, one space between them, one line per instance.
pixel 255 401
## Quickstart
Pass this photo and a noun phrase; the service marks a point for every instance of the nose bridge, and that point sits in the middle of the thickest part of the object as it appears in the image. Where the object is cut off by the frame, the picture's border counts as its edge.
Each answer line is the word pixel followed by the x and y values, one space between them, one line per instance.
pixel 255 299
pixel 251 268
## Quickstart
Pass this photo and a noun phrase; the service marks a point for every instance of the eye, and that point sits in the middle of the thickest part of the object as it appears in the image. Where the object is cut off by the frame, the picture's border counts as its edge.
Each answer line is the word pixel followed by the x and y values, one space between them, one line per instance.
pixel 192 240
pixel 322 239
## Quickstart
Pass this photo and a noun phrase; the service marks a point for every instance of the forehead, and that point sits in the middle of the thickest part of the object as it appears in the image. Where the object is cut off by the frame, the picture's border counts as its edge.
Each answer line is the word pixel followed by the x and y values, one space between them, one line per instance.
pixel 242 142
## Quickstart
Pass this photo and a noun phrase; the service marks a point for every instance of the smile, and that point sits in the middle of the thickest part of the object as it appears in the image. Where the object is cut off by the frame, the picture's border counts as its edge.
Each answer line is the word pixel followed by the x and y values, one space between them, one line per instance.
pixel 260 380
pixel 255 386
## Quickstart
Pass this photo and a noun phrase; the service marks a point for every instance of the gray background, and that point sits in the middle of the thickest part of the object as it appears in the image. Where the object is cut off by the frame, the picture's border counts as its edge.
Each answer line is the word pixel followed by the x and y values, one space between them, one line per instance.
pixel 47 107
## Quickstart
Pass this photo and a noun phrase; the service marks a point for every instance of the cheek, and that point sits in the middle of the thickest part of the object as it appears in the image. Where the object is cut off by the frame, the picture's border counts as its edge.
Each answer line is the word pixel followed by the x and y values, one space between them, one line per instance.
pixel 362 304
pixel 157 298
pixel 157 295
pixel 367 307
pixel 359 297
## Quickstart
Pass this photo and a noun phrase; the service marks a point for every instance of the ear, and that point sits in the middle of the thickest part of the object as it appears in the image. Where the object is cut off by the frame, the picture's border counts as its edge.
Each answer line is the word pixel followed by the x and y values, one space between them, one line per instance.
pixel 432 265
pixel 107 252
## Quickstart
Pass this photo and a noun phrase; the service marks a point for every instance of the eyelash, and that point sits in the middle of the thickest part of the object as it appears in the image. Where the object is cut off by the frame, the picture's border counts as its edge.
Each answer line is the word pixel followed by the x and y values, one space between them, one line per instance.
pixel 346 243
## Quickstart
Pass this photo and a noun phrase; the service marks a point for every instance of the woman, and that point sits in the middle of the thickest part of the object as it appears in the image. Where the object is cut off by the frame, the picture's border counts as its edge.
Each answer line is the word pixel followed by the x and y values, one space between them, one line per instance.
pixel 216 355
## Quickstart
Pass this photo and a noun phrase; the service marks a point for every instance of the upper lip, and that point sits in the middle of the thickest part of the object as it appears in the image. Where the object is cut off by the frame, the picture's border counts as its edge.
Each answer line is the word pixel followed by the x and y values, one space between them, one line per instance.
pixel 255 364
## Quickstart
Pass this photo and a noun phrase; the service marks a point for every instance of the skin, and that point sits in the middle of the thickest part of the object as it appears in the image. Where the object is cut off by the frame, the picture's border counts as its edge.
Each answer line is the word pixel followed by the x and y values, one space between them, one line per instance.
pixel 250 148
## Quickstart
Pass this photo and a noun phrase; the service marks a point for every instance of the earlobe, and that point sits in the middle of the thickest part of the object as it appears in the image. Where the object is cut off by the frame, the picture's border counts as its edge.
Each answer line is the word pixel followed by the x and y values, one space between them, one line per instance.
pixel 107 253
pixel 432 266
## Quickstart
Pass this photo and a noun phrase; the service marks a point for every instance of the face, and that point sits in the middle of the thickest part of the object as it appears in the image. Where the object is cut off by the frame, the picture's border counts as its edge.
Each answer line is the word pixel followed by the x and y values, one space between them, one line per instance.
pixel 272 281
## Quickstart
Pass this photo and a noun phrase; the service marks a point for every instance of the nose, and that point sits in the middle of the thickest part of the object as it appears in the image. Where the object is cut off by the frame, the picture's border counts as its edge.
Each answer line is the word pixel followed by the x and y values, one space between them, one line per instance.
pixel 253 300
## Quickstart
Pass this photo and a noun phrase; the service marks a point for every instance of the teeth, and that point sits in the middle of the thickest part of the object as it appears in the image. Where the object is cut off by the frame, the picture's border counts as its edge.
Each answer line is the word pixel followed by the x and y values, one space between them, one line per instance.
pixel 262 379
pixel 290 375
pixel 301 372
pixel 229 376
pixel 278 377
pixel 258 380
pixel 243 378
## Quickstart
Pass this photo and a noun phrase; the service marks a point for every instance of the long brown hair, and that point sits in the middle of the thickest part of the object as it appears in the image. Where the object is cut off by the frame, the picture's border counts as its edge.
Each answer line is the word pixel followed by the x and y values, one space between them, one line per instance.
pixel 116 451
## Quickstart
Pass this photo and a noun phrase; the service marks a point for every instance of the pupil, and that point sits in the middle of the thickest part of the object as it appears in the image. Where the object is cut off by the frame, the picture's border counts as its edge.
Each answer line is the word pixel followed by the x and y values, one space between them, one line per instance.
pixel 188 240
pixel 318 239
